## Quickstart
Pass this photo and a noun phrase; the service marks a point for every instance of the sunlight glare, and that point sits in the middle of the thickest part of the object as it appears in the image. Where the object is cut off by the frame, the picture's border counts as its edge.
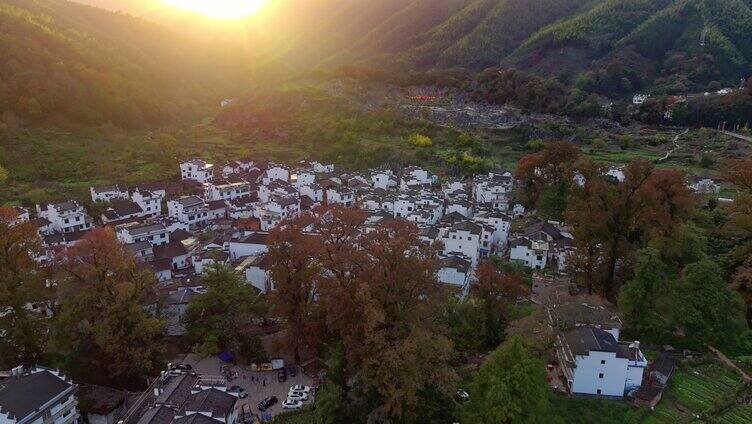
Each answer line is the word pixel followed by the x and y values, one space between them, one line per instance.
pixel 220 9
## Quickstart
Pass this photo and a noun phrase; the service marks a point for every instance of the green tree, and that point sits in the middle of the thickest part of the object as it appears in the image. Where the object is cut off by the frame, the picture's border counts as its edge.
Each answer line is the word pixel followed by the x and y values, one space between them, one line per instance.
pixel 510 387
pixel 640 298
pixel 3 174
pixel 707 311
pixel 223 317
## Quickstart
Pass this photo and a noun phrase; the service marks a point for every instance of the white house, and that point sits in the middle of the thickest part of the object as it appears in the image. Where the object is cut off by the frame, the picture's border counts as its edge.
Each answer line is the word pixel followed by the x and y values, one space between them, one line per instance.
pixel 257 273
pixel 342 196
pixel 209 257
pixel 197 170
pixel 252 244
pixel 493 189
pixel 120 210
pixel 303 177
pixel 107 193
pixel 226 191
pixel 463 237
pixel 455 270
pixel 276 173
pixel 705 186
pixel 383 179
pixel 321 168
pixel 595 363
pixel 415 177
pixel 156 234
pixel 37 395
pixel 531 253
pixel 149 201
pixel 66 217
pixel 191 210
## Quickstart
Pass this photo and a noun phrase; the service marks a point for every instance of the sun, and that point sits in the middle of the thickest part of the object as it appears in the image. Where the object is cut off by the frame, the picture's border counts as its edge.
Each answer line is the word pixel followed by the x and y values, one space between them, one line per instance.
pixel 220 9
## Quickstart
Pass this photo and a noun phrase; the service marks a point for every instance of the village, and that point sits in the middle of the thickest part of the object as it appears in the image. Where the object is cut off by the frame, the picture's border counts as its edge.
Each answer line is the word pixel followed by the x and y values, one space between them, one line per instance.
pixel 223 215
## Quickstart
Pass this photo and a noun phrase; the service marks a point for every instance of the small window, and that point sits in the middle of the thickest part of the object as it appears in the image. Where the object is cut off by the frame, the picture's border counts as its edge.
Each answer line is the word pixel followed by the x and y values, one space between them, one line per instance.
pixel 600 375
pixel 598 391
pixel 603 361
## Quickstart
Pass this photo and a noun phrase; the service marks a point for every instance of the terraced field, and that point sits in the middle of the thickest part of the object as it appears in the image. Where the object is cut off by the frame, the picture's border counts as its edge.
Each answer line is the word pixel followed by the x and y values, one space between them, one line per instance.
pixel 741 414
pixel 698 388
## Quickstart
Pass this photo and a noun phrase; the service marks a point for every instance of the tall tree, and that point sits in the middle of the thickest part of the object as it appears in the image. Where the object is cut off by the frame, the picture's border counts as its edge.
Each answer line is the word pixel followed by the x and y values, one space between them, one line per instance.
pixel 21 283
pixel 497 291
pixel 707 311
pixel 743 284
pixel 293 255
pixel 641 297
pixel 401 346
pixel 552 166
pixel 103 330
pixel 223 318
pixel 621 217
pixel 510 387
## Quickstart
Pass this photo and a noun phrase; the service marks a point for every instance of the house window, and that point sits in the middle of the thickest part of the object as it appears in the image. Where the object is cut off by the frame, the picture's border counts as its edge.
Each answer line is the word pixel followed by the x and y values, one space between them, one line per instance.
pixel 598 391
pixel 66 220
pixel 600 375
pixel 603 361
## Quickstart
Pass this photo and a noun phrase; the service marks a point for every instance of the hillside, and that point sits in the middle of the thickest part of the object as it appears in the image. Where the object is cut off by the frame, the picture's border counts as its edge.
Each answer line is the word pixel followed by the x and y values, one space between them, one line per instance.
pixel 65 63
pixel 666 45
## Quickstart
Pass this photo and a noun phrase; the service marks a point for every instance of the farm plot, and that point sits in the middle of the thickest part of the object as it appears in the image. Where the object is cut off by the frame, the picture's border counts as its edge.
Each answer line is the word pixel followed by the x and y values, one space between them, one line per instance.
pixel 740 414
pixel 697 388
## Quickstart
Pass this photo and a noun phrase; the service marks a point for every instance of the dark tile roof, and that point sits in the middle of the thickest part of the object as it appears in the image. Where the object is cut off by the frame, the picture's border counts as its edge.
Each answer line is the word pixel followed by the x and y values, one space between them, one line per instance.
pixel 22 396
pixel 468 226
pixel 157 415
pixel 177 390
pixel 181 295
pixel 170 250
pixel 196 419
pixel 213 401
pixel 457 263
pixel 180 235
pixel 582 340
pixel 100 400
pixel 255 238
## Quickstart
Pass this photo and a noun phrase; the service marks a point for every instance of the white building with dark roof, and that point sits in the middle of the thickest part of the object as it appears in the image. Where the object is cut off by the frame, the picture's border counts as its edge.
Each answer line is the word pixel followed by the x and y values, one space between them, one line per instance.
pixel 595 363
pixel 191 210
pixel 463 237
pixel 37 395
pixel 66 217
pixel 197 170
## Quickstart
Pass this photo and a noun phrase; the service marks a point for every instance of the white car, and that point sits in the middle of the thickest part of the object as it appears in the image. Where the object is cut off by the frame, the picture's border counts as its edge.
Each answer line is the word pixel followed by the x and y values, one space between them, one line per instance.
pixel 292 404
pixel 300 388
pixel 301 396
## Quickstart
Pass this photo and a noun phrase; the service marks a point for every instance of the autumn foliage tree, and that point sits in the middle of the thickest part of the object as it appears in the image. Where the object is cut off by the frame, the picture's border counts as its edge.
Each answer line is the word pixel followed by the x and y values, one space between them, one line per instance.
pixel 372 296
pixel 552 168
pixel 21 282
pixel 103 331
pixel 611 219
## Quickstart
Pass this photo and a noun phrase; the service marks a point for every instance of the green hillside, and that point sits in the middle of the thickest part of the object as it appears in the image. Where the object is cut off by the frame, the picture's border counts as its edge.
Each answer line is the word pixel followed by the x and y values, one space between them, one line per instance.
pixel 62 62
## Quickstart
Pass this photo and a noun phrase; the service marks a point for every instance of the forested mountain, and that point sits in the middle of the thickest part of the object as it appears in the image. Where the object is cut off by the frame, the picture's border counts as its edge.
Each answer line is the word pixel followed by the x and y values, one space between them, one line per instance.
pixel 74 63
pixel 615 45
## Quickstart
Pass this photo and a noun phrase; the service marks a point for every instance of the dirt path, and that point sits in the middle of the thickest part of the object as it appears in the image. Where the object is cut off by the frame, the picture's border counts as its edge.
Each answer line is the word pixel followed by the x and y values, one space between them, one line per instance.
pixel 739 136
pixel 671 151
pixel 730 364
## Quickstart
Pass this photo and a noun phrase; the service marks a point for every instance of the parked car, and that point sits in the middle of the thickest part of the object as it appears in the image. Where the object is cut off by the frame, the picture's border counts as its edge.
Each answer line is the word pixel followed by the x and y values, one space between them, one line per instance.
pixel 461 395
pixel 300 388
pixel 236 389
pixel 267 403
pixel 243 395
pixel 282 375
pixel 292 404
pixel 182 367
pixel 301 396
pixel 292 370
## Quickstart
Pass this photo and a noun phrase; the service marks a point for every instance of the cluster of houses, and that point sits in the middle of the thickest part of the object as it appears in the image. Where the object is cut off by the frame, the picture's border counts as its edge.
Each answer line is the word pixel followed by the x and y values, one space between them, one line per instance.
pixel 223 214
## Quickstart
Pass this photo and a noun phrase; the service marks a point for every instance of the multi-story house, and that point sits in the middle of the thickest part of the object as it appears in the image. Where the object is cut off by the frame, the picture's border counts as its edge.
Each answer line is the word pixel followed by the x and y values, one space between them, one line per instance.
pixel 66 217
pixel 530 252
pixel 150 201
pixel 463 237
pixel 383 179
pixel 414 177
pixel 493 190
pixel 226 191
pixel 595 363
pixel 340 196
pixel 191 210
pixel 156 234
pixel 37 395
pixel 197 170
pixel 276 172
